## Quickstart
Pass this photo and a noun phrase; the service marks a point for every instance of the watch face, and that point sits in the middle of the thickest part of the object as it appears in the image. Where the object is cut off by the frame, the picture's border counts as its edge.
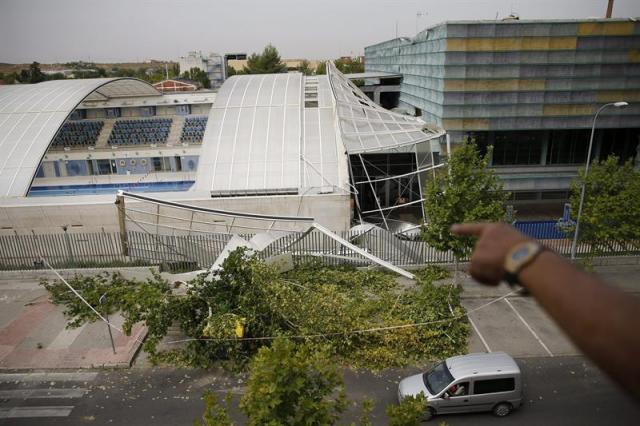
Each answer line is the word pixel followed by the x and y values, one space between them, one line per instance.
pixel 520 253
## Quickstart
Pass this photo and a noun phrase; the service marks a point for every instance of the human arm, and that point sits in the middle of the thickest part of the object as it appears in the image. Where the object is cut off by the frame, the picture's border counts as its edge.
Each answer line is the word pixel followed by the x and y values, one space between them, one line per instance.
pixel 603 322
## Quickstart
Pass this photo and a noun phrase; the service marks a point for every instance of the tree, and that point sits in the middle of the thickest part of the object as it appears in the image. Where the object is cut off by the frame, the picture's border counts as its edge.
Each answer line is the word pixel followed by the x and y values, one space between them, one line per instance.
pixel 611 209
pixel 198 75
pixel 268 62
pixel 230 71
pixel 469 192
pixel 215 414
pixel 35 75
pixel 293 384
pixel 348 65
pixel 174 70
pixel 410 412
pixel 304 67
pixel 321 69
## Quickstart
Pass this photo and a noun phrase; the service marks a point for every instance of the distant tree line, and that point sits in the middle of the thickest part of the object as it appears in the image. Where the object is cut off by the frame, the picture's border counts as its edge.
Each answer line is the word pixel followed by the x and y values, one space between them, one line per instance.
pixel 89 70
pixel 266 62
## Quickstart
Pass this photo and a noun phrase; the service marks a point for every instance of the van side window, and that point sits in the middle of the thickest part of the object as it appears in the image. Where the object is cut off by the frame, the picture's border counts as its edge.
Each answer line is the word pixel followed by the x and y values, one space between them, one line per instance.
pixel 494 385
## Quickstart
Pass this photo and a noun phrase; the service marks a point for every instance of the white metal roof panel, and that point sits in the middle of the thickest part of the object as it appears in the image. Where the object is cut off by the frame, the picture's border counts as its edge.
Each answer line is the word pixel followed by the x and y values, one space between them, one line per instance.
pixel 261 138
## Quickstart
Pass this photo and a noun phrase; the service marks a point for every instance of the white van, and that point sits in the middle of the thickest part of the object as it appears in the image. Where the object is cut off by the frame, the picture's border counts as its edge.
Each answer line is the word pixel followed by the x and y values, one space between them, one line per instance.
pixel 468 383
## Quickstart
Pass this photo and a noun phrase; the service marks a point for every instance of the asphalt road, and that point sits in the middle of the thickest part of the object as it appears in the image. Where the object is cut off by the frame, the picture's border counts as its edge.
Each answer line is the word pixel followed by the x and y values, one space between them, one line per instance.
pixel 558 391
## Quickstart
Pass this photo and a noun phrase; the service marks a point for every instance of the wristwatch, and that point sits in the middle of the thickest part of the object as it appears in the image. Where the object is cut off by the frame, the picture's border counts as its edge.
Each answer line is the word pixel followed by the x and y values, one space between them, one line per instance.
pixel 518 257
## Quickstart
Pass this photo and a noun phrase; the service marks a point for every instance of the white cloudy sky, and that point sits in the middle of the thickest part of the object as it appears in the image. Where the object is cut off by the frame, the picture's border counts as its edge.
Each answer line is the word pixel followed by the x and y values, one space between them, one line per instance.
pixel 120 30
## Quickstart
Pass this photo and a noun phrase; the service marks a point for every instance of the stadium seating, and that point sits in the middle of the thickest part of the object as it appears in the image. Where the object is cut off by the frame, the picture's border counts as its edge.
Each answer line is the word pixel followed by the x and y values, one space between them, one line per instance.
pixel 193 129
pixel 140 132
pixel 78 134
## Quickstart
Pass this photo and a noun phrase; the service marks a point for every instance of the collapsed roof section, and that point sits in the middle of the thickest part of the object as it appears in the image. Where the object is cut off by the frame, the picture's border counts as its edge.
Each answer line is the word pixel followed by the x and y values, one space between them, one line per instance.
pixel 367 127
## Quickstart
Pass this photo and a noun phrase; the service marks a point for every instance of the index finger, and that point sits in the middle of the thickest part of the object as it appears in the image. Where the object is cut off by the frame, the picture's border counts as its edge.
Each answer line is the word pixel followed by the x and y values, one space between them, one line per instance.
pixel 468 228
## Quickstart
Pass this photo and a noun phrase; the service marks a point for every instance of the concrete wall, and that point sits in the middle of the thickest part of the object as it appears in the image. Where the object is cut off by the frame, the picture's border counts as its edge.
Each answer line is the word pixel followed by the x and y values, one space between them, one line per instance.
pixel 94 213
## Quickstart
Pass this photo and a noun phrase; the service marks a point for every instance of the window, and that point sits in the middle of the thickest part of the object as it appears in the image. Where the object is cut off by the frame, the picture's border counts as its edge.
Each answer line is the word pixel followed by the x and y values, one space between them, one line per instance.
pixel 112 112
pixel 148 111
pixel 104 167
pixel 568 146
pixel 517 148
pixel 183 109
pixel 495 385
pixel 157 164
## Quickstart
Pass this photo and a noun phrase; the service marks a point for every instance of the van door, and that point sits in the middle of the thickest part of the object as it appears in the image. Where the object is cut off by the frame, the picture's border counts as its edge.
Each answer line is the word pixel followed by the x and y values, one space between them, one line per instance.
pixel 488 392
pixel 458 401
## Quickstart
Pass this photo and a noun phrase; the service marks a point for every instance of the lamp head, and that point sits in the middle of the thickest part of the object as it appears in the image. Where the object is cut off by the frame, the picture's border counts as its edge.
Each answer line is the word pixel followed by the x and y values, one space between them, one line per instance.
pixel 620 104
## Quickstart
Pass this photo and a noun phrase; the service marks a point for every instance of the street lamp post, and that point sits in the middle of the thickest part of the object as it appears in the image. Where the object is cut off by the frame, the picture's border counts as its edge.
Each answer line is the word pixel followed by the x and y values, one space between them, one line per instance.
pixel 620 104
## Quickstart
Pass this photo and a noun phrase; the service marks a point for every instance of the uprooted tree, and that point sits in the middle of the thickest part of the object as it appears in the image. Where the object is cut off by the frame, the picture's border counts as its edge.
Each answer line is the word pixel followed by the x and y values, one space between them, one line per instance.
pixel 329 305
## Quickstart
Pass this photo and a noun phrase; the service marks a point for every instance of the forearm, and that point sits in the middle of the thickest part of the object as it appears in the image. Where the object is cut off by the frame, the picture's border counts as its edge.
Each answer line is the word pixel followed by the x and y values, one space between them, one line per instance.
pixel 602 321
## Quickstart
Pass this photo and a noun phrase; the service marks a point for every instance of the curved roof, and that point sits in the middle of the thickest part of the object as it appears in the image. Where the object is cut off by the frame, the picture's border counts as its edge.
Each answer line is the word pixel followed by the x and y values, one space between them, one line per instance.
pixel 263 137
pixel 32 114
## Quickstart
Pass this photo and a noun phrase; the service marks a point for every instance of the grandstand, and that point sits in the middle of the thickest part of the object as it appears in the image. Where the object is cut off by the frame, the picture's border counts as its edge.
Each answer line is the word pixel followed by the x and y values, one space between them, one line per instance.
pixel 140 132
pixel 78 134
pixel 193 129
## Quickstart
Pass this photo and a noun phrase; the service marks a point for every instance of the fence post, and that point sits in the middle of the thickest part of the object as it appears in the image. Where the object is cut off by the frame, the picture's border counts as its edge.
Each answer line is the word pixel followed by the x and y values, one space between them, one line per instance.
pixel 67 243
pixel 122 224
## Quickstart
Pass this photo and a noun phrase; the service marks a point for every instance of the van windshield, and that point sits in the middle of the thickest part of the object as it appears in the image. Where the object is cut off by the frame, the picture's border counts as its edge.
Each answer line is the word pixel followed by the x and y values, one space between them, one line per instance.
pixel 437 378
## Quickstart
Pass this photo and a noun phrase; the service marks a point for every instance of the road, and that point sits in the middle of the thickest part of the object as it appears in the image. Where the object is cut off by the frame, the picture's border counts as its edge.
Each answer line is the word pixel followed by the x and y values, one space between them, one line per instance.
pixel 558 391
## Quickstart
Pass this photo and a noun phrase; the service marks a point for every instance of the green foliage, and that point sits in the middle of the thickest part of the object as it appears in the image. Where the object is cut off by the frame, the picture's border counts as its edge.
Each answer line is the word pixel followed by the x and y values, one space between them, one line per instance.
pixel 293 385
pixel 349 65
pixel 611 209
pixel 267 62
pixel 367 408
pixel 321 69
pixel 467 192
pixel 198 75
pixel 304 67
pixel 215 414
pixel 410 412
pixel 230 71
pixel 323 303
pixel 148 301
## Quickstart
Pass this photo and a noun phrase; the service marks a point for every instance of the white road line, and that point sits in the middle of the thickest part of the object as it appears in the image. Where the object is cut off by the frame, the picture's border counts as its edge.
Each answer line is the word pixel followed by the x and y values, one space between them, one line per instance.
pixel 23 412
pixel 529 327
pixel 42 393
pixel 47 377
pixel 484 342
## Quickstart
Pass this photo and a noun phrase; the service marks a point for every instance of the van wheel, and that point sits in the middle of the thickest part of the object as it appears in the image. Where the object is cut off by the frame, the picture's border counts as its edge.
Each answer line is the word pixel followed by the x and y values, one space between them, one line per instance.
pixel 502 409
pixel 430 413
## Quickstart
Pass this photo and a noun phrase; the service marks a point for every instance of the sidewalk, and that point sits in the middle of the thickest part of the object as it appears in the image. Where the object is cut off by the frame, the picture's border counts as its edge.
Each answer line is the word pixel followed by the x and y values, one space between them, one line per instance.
pixel 33 333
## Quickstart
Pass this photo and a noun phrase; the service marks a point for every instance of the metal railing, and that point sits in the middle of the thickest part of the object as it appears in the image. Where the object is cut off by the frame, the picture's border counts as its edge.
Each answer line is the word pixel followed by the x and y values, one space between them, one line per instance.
pixel 103 249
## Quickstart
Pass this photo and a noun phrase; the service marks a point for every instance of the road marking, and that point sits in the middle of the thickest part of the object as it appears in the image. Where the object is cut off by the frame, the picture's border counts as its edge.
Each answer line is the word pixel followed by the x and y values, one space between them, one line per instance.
pixel 484 342
pixel 529 328
pixel 47 377
pixel 22 412
pixel 42 393
pixel 66 337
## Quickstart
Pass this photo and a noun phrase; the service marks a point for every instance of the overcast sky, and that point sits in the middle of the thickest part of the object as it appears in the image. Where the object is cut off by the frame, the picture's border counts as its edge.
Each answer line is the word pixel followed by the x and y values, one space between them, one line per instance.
pixel 135 30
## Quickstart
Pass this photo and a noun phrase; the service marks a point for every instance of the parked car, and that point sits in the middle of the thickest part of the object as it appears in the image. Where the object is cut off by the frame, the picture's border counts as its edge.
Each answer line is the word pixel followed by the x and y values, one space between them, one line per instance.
pixel 468 383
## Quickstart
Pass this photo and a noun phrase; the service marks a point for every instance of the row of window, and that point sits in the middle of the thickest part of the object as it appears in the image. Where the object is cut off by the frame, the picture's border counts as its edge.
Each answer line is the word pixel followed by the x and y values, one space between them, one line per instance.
pixel 117 166
pixel 143 111
pixel 536 147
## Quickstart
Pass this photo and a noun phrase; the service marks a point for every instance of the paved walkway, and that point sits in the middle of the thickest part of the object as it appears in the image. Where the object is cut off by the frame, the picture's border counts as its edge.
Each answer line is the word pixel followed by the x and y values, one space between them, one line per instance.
pixel 33 334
